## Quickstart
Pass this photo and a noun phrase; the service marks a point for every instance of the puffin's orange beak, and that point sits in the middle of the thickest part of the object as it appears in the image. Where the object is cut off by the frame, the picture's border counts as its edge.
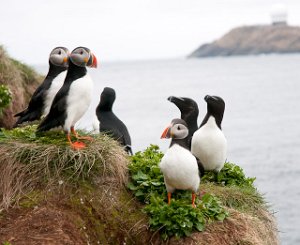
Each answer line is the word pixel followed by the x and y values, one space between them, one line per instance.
pixel 94 61
pixel 166 133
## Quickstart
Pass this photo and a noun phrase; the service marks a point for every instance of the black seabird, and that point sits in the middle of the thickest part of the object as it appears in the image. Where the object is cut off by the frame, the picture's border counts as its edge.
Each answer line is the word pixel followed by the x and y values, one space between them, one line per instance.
pixel 189 113
pixel 109 122
pixel 209 143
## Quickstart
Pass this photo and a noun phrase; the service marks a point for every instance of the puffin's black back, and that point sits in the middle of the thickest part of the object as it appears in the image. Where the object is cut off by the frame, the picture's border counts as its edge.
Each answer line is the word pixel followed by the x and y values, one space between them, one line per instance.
pixel 109 122
pixel 189 113
pixel 58 111
pixel 37 102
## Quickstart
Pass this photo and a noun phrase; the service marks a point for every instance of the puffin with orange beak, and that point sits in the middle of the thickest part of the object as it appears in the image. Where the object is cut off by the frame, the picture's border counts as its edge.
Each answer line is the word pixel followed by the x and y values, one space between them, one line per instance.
pixel 41 100
pixel 74 97
pixel 179 166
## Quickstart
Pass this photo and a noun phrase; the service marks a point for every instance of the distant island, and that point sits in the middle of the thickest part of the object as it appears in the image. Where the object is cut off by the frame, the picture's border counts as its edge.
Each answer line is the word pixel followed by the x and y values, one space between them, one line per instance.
pixel 253 40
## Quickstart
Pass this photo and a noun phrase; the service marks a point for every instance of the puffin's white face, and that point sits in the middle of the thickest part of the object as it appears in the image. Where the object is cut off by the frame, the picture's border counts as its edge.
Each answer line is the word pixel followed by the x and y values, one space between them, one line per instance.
pixel 82 56
pixel 177 130
pixel 60 56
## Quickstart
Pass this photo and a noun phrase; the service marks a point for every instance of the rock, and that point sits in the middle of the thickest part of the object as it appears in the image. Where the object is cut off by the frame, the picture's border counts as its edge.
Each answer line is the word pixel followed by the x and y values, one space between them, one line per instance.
pixel 253 40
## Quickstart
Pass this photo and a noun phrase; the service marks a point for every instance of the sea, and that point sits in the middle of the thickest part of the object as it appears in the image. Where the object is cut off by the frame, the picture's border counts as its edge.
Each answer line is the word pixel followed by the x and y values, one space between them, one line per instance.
pixel 261 120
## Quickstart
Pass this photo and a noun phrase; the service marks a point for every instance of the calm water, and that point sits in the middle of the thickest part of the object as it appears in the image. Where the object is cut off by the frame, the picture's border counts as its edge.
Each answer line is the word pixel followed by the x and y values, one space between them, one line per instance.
pixel 261 121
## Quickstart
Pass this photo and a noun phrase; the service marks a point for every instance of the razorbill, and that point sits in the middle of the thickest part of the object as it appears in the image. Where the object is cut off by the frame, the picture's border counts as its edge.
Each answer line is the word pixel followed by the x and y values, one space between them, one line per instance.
pixel 41 100
pixel 179 166
pixel 189 113
pixel 74 97
pixel 209 143
pixel 109 122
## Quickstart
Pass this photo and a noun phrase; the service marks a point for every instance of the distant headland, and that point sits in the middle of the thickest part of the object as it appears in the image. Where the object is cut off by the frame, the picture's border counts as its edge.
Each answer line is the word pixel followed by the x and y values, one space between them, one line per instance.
pixel 252 40
pixel 278 37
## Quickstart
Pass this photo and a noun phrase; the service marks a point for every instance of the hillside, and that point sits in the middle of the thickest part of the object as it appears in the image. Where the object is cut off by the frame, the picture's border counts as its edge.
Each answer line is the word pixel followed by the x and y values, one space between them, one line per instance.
pixel 253 40
pixel 22 82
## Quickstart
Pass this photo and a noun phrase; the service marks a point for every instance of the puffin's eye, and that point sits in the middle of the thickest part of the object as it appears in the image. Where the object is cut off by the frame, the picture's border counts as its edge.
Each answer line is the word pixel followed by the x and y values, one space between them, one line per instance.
pixel 81 52
pixel 178 127
pixel 59 52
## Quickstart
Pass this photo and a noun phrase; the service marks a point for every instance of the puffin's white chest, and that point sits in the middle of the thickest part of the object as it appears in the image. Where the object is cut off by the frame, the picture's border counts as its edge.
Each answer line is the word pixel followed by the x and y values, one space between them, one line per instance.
pixel 78 100
pixel 52 91
pixel 180 169
pixel 210 145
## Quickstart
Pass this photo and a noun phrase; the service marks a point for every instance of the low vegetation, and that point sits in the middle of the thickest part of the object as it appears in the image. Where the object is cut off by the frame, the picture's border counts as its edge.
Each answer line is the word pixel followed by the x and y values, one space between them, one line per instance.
pixel 88 199
pixel 180 219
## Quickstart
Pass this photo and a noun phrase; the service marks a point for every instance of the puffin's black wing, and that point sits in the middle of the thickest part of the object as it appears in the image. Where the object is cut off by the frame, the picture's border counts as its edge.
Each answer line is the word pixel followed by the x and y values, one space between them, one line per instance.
pixel 200 167
pixel 57 114
pixel 35 107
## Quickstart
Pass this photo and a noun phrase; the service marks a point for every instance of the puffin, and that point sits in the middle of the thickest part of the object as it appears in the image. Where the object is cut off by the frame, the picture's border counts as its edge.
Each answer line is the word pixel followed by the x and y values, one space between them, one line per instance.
pixel 74 97
pixel 109 122
pixel 179 166
pixel 189 113
pixel 41 100
pixel 209 143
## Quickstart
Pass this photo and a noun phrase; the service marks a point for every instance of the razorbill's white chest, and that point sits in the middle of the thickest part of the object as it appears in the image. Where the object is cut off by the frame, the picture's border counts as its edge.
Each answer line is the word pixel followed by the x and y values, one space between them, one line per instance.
pixel 209 143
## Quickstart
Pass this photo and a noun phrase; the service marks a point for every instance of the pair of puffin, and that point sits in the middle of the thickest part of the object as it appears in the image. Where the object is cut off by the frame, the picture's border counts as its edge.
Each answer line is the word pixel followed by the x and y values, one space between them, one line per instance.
pixel 65 94
pixel 192 149
pixel 73 98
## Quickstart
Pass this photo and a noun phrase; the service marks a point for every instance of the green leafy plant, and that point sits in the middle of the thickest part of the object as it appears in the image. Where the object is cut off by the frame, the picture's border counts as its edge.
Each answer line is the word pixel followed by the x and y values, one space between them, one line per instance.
pixel 178 219
pixel 146 177
pixel 5 97
pixel 230 174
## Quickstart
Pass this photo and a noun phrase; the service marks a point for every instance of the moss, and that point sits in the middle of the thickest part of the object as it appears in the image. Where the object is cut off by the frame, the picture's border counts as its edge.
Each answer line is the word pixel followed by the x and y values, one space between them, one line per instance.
pixel 32 199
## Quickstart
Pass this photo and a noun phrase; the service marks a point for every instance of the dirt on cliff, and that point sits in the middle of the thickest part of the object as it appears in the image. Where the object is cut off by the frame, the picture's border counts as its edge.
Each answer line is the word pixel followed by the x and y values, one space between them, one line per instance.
pixel 22 82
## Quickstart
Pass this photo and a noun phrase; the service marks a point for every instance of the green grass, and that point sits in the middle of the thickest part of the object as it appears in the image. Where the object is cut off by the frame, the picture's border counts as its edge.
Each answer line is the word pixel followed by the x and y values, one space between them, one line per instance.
pixel 28 160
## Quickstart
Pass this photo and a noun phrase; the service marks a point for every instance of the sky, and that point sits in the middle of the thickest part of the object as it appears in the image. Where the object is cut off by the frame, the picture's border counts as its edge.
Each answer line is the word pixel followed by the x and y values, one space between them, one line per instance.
pixel 125 29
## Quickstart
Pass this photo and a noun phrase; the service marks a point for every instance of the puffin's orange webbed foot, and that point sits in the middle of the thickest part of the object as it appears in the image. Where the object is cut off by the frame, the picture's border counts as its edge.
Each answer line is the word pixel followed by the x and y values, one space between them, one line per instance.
pixel 77 145
pixel 193 200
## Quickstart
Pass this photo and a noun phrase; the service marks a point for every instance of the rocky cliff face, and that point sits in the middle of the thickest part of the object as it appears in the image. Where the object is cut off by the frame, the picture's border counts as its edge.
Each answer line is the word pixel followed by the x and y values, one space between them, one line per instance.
pixel 22 82
pixel 252 40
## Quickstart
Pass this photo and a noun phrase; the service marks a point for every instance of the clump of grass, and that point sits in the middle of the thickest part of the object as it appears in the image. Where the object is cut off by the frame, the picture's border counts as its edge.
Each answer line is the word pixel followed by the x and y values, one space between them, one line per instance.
pixel 230 175
pixel 245 199
pixel 28 161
